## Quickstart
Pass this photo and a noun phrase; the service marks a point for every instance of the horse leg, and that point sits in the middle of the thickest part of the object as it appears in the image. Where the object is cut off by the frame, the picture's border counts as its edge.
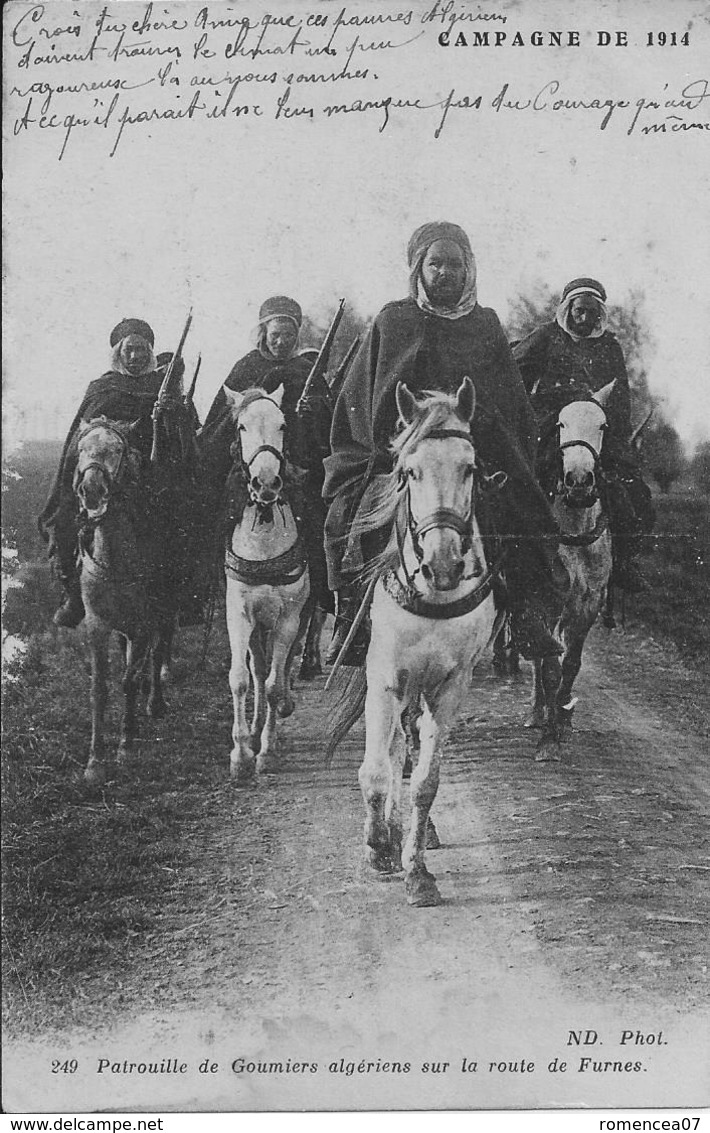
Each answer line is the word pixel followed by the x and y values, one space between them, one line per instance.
pixel 136 657
pixel 241 758
pixel 548 748
pixel 156 706
pixel 410 724
pixel 311 664
pixel 380 777
pixel 166 667
pixel 536 716
pixel 276 692
pixel 571 664
pixel 420 885
pixel 95 772
pixel 257 667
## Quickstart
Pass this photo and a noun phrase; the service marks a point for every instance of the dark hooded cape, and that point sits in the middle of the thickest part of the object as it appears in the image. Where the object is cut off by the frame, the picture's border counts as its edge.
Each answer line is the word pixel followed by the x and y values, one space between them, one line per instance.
pixel 307 442
pixel 118 397
pixel 428 353
pixel 555 369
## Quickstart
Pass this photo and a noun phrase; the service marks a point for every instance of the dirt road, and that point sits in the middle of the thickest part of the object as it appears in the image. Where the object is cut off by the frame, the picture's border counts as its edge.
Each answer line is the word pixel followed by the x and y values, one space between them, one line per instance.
pixel 575 900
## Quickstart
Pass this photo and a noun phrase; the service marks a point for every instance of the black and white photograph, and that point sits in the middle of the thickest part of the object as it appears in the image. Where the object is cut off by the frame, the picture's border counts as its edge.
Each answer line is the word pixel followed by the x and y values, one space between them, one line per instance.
pixel 356 556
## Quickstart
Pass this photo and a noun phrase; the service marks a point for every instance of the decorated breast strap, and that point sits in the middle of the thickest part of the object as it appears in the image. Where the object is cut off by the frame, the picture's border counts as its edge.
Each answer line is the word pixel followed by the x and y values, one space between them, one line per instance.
pixel 415 603
pixel 586 538
pixel 280 571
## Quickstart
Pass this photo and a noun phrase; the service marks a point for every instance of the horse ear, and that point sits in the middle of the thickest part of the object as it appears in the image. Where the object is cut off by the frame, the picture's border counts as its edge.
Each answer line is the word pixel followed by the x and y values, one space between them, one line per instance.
pixel 602 395
pixel 406 403
pixel 278 395
pixel 466 400
pixel 234 398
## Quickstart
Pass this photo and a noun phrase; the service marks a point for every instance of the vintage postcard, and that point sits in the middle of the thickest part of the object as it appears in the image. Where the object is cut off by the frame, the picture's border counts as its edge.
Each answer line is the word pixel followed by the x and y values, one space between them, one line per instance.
pixel 194 918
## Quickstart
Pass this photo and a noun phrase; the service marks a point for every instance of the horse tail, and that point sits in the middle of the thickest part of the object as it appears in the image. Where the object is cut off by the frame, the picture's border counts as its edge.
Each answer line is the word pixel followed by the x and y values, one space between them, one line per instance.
pixel 349 694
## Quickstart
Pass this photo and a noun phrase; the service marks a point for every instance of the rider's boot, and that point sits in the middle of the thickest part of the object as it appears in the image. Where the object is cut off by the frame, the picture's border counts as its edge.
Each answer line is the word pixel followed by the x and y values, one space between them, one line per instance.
pixel 347 604
pixel 531 635
pixel 71 612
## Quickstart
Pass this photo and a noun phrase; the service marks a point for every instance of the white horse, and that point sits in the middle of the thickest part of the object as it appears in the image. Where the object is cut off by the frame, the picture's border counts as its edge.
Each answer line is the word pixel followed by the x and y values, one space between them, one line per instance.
pixel 433 615
pixel 585 550
pixel 267 584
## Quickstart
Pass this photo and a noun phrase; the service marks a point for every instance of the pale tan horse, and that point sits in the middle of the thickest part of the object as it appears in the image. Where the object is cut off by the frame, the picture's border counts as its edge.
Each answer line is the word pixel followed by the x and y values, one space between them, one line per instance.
pixel 124 584
pixel 267 585
pixel 585 550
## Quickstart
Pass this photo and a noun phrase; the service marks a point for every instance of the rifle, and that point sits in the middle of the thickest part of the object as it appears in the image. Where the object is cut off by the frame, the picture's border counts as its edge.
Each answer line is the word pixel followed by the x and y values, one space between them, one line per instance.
pixel 337 383
pixel 187 399
pixel 165 393
pixel 319 366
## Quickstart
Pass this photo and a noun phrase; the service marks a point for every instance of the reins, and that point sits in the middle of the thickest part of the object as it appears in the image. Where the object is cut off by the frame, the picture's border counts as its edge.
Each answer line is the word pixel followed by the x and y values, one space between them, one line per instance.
pixel 406 594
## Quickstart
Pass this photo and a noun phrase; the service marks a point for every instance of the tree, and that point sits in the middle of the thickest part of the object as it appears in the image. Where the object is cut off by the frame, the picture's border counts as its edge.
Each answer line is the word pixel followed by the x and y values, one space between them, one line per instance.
pixel 663 455
pixel 628 323
pixel 700 467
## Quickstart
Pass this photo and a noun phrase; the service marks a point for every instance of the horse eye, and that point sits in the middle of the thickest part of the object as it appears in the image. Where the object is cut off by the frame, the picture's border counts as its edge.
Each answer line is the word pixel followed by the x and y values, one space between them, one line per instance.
pixel 242 428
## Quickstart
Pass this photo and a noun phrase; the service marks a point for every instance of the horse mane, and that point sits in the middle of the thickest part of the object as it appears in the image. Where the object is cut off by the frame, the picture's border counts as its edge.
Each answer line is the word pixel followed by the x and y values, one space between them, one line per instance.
pixel 385 508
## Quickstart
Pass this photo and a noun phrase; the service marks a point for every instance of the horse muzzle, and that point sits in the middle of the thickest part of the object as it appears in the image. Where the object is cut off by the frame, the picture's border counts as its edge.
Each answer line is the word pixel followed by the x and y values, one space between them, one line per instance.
pixel 265 494
pixel 93 492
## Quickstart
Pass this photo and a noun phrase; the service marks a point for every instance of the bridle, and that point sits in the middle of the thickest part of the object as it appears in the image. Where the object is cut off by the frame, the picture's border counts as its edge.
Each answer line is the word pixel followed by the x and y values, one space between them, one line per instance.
pixel 113 477
pixel 245 465
pixel 592 498
pixel 440 517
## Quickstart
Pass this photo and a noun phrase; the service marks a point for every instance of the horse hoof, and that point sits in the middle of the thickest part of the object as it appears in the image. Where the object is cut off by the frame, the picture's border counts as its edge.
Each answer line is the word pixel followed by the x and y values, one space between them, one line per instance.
pixel 535 719
pixel 95 775
pixel 267 764
pixel 241 774
pixel 310 670
pixel 157 709
pixel 384 859
pixel 432 841
pixel 421 890
pixel 548 751
pixel 286 708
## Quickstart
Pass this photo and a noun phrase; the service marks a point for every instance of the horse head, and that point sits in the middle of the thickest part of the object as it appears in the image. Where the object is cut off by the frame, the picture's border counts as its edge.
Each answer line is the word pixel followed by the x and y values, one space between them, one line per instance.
pixel 260 426
pixel 581 426
pixel 103 454
pixel 438 470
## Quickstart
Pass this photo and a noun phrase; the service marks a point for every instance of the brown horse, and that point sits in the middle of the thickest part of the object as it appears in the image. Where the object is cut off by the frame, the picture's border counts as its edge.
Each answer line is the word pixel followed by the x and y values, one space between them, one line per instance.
pixel 126 575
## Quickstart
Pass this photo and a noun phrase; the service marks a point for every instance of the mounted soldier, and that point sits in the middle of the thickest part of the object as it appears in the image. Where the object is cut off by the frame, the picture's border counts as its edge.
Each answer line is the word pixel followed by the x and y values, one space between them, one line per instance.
pixel 127 393
pixel 431 341
pixel 576 355
pixel 276 361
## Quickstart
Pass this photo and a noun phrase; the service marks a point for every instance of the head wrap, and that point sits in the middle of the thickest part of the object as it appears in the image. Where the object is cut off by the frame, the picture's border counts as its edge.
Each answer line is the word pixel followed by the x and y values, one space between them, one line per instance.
pixel 577 287
pixel 123 331
pixel 281 307
pixel 132 326
pixel 417 249
pixel 278 307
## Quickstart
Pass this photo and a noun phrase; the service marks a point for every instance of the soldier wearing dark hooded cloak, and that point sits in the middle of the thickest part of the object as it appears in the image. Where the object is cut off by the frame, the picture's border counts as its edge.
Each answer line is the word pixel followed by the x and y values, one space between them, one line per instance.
pixel 126 392
pixel 431 341
pixel 572 357
pixel 274 362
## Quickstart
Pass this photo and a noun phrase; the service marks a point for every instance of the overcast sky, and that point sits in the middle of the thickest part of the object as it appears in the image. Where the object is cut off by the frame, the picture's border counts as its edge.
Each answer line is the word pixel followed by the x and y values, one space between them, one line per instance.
pixel 188 216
